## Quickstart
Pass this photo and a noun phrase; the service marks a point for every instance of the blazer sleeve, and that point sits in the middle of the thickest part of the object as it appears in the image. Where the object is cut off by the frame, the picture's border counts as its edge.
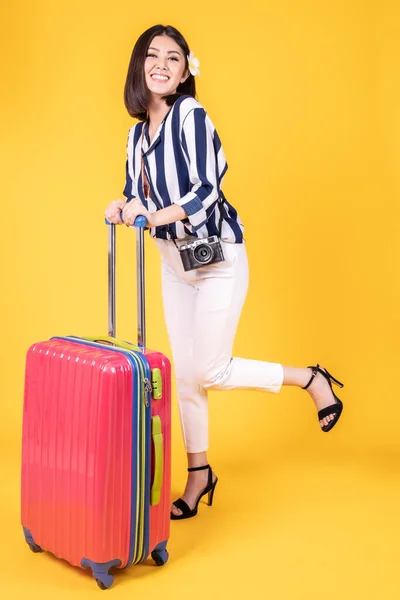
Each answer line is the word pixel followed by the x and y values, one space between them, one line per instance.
pixel 130 188
pixel 197 140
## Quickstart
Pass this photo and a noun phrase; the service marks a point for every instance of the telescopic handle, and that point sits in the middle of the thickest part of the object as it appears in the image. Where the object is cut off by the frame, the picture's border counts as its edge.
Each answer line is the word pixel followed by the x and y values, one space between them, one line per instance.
pixel 140 224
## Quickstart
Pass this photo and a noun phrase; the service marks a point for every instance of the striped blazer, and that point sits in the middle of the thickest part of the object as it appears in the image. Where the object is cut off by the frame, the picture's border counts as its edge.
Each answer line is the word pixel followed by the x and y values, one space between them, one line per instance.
pixel 185 165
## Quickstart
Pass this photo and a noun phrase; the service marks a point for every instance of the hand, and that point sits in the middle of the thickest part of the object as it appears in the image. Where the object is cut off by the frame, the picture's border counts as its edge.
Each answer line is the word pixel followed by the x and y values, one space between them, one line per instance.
pixel 113 211
pixel 133 209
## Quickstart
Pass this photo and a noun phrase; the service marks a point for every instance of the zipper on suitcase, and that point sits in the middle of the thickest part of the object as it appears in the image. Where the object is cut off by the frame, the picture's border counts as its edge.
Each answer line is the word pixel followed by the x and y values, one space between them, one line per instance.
pixel 144 442
pixel 147 389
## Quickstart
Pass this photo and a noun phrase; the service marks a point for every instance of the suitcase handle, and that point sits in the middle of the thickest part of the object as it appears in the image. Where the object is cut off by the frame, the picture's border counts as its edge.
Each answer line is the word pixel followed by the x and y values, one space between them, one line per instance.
pixel 105 339
pixel 140 221
pixel 140 224
pixel 156 433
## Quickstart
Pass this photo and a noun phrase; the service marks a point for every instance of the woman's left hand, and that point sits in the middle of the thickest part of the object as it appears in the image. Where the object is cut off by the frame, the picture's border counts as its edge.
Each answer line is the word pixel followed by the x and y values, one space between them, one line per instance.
pixel 133 209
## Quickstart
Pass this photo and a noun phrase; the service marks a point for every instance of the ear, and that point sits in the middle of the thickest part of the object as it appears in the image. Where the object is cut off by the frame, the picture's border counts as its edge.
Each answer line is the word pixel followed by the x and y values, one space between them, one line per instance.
pixel 185 76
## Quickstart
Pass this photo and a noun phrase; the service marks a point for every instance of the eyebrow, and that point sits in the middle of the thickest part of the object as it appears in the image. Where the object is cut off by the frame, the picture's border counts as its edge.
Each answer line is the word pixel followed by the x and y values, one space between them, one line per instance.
pixel 169 51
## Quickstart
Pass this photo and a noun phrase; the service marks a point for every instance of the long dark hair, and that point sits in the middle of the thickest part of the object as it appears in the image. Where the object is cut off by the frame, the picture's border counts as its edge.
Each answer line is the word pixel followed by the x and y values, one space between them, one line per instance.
pixel 136 93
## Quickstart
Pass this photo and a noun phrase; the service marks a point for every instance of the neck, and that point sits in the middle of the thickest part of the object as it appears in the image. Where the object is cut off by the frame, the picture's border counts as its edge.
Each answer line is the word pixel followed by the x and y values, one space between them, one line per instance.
pixel 157 110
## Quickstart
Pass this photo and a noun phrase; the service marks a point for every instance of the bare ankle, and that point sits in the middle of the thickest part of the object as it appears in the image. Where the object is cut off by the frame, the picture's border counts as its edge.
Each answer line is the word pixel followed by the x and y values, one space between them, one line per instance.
pixel 296 376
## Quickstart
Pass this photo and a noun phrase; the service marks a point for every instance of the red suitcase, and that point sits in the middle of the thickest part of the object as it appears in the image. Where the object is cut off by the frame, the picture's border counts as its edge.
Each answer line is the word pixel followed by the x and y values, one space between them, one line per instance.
pixel 96 464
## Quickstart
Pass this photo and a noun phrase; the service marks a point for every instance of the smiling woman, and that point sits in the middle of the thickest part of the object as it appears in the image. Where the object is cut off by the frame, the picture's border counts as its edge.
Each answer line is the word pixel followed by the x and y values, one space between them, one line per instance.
pixel 174 173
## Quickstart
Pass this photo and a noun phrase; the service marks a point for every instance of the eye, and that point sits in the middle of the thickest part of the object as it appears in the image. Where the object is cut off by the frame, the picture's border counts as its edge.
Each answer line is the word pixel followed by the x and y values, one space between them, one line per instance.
pixel 151 54
pixel 174 58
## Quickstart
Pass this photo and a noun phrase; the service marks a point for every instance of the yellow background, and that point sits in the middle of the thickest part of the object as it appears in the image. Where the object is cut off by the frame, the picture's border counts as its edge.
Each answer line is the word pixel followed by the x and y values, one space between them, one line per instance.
pixel 305 97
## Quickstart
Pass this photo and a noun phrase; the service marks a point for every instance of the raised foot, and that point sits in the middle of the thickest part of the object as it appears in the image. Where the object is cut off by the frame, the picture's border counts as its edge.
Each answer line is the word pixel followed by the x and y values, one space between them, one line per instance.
pixel 329 406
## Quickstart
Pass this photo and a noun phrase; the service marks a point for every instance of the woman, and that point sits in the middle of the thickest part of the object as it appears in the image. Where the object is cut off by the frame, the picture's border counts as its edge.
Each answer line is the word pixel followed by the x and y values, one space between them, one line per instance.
pixel 174 171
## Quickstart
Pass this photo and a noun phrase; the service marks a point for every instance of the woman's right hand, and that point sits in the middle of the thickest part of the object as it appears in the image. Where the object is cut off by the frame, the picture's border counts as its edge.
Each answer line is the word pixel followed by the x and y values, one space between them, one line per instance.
pixel 113 211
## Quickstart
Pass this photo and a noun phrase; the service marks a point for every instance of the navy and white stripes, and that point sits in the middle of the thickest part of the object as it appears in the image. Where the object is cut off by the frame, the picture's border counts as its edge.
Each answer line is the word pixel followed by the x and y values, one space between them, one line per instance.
pixel 185 165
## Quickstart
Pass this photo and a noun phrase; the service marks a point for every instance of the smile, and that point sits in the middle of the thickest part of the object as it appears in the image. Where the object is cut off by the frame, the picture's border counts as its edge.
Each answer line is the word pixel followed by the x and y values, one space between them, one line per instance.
pixel 158 77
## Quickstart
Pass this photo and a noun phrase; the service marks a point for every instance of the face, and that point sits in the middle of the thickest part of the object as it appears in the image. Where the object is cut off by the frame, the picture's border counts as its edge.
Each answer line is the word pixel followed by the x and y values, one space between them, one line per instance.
pixel 164 67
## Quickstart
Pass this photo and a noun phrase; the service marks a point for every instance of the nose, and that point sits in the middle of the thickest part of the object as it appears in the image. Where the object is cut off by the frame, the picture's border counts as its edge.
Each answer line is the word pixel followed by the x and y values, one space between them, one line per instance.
pixel 162 63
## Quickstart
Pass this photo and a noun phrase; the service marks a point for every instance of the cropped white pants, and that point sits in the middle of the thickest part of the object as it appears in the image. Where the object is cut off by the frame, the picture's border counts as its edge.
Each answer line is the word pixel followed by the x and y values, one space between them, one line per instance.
pixel 202 310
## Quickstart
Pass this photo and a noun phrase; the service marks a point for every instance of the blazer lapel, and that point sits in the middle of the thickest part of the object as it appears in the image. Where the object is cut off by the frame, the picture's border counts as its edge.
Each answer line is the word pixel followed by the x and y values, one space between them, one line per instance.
pixel 156 140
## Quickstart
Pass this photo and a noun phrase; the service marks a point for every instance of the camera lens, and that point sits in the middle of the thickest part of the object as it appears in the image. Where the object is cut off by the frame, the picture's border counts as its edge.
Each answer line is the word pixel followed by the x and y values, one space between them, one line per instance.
pixel 203 254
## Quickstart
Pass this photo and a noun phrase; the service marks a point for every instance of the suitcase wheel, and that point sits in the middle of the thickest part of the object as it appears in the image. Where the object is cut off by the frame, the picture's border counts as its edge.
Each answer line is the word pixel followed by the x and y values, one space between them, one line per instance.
pixel 35 548
pixel 100 571
pixel 160 557
pixel 30 541
pixel 102 585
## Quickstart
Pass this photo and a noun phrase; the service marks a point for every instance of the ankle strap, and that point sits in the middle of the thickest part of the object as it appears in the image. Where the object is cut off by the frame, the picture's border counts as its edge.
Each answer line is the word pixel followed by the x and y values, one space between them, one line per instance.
pixel 314 373
pixel 199 468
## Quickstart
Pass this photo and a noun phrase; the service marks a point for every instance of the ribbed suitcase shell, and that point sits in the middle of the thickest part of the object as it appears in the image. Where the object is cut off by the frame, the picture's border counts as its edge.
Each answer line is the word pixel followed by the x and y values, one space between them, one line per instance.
pixel 85 491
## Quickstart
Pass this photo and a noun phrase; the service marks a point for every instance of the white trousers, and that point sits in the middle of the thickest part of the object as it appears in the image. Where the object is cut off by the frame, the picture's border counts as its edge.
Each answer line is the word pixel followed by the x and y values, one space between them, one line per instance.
pixel 202 310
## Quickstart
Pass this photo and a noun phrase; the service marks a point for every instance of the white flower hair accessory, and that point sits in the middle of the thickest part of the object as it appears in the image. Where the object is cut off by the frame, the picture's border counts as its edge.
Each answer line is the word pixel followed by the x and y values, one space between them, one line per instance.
pixel 194 64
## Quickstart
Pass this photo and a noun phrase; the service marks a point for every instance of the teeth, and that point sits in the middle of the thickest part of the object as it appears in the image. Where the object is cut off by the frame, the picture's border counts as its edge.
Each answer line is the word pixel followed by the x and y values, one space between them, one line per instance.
pixel 161 77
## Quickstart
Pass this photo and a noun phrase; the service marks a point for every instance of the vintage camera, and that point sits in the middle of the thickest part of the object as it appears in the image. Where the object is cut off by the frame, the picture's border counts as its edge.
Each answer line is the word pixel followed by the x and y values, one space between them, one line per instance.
pixel 201 253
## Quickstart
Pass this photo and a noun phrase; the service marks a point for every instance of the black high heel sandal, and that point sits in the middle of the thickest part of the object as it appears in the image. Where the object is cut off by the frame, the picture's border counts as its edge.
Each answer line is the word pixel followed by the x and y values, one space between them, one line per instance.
pixel 187 512
pixel 333 409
